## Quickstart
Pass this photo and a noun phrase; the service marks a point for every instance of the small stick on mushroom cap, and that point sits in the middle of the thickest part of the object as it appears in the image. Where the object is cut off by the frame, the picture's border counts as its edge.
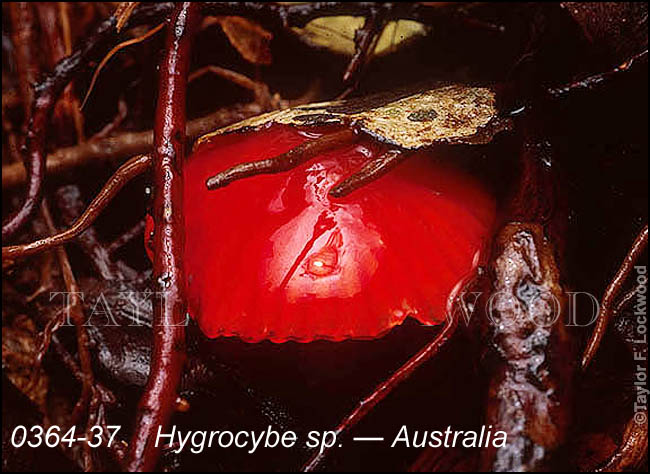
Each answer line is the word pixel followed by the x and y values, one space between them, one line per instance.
pixel 284 162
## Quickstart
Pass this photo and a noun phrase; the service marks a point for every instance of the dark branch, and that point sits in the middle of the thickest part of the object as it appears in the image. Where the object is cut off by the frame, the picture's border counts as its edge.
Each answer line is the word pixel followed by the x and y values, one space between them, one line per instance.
pixel 127 171
pixel 370 172
pixel 386 387
pixel 591 82
pixel 365 42
pixel 46 95
pixel 289 160
pixel 608 304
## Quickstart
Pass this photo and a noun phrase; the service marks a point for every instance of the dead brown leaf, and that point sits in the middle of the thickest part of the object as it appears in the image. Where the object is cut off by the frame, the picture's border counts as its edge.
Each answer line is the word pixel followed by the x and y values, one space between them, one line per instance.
pixel 250 39
pixel 19 359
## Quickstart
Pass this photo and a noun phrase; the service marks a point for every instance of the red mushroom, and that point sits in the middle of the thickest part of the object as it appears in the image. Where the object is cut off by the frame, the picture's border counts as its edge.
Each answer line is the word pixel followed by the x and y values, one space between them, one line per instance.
pixel 274 257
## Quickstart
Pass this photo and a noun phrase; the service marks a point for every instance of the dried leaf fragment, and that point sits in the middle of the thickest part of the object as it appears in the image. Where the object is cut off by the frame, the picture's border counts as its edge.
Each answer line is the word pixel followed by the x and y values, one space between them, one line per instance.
pixel 336 33
pixel 453 113
pixel 19 349
pixel 248 38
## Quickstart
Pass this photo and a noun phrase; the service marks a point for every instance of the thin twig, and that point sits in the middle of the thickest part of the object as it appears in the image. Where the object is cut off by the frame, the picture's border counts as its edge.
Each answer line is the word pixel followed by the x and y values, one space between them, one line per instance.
pixel 101 397
pixel 56 35
pixel 125 145
pixel 284 162
pixel 126 237
pixel 46 95
pixel 122 111
pixel 633 449
pixel 114 51
pixel 123 175
pixel 260 90
pixel 591 82
pixel 608 303
pixel 626 299
pixel 22 25
pixel 83 341
pixel 365 42
pixel 68 200
pixel 385 388
pixel 370 172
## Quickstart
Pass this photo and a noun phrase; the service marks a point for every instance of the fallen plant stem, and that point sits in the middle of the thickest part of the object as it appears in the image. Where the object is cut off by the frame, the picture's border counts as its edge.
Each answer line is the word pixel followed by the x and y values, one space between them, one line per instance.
pixel 365 42
pixel 525 395
pixel 158 401
pixel 22 21
pixel 624 301
pixel 373 170
pixel 123 12
pixel 83 342
pixel 284 162
pixel 632 451
pixel 260 90
pixel 385 388
pixel 122 176
pixel 69 202
pixel 126 237
pixel 595 80
pixel 114 51
pixel 114 124
pixel 124 145
pixel 608 304
pixel 45 97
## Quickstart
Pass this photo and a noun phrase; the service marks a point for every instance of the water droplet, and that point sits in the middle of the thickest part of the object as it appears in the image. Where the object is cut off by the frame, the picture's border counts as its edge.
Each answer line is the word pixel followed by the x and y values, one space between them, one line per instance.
pixel 165 281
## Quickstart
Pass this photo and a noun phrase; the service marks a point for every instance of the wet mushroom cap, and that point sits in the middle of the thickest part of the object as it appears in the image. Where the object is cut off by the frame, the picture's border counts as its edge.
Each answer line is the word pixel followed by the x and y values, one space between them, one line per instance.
pixel 274 257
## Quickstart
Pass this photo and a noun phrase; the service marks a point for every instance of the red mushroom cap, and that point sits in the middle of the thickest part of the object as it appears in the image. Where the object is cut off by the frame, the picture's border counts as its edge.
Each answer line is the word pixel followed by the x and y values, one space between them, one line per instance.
pixel 273 257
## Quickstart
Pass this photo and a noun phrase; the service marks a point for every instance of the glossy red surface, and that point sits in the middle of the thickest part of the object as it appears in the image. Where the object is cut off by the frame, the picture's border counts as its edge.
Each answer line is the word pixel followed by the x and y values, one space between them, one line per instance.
pixel 275 258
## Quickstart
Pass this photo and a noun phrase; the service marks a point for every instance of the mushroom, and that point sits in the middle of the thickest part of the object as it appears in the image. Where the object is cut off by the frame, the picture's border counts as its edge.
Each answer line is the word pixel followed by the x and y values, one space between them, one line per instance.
pixel 276 257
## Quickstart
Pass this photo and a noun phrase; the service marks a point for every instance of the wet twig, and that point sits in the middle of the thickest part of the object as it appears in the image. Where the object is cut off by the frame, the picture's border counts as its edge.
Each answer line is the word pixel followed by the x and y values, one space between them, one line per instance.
pixel 384 389
pixel 375 169
pixel 284 162
pixel 74 311
pixel 46 94
pixel 68 200
pixel 608 304
pixel 158 401
pixel 124 145
pixel 365 42
pixel 591 82
pixel 122 176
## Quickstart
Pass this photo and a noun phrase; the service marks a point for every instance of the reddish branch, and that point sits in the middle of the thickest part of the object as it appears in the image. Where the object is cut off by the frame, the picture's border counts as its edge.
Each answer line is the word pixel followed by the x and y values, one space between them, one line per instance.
pixel 385 388
pixel 67 117
pixel 633 450
pixel 158 401
pixel 46 95
pixel 129 170
pixel 22 21
pixel 125 145
pixel 370 172
pixel 284 162
pixel 608 304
